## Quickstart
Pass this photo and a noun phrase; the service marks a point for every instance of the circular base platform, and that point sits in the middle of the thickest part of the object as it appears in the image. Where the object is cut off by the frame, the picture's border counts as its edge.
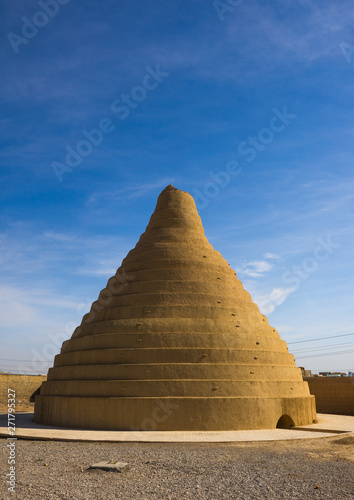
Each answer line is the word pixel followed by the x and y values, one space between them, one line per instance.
pixel 26 428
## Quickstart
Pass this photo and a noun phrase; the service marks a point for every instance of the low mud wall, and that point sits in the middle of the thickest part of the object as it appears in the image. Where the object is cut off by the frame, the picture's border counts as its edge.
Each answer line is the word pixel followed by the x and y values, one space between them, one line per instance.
pixel 333 394
pixel 23 385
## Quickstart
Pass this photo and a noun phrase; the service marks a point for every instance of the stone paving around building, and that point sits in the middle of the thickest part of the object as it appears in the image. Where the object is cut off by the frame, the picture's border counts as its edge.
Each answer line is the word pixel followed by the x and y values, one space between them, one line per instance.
pixel 328 425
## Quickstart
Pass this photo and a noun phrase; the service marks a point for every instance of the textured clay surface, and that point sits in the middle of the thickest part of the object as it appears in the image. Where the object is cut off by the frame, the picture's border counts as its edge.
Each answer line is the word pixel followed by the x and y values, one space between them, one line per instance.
pixel 174 342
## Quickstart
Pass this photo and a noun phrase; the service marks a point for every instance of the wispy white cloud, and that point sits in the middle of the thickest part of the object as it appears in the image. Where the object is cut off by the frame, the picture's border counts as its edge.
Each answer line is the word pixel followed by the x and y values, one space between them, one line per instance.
pixel 102 267
pixel 27 251
pixel 59 236
pixel 255 268
pixel 41 297
pixel 310 32
pixel 269 301
pixel 273 256
pixel 131 191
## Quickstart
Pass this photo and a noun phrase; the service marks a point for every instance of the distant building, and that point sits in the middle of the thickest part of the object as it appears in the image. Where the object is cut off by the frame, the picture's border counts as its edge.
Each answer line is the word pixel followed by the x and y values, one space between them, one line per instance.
pixel 308 373
pixel 305 373
pixel 333 374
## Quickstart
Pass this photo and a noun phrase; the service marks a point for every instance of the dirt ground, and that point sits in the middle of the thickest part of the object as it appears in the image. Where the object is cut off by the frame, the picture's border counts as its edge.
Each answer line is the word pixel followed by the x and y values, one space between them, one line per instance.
pixel 321 468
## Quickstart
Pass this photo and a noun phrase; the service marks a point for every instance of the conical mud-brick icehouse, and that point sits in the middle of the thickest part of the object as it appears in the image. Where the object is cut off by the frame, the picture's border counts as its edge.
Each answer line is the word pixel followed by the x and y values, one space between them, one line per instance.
pixel 174 342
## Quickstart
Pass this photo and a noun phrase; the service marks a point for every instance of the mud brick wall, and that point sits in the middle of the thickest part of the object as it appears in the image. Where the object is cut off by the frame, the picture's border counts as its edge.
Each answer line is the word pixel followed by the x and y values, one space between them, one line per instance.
pixel 24 385
pixel 333 394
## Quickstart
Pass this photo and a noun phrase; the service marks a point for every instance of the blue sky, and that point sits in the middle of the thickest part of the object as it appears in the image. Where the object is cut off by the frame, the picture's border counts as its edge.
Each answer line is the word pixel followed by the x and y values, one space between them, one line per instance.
pixel 248 105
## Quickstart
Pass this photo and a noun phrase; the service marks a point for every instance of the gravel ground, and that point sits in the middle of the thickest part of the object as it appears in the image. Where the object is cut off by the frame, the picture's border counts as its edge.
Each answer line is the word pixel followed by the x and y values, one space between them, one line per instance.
pixel 314 468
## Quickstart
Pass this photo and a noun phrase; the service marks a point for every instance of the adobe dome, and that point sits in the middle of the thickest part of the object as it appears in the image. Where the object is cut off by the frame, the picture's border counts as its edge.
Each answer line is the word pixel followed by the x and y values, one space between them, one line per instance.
pixel 174 342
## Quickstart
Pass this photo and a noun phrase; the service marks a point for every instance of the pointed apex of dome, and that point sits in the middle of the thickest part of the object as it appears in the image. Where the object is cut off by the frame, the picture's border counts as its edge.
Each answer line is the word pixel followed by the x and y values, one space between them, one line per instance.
pixel 174 209
pixel 173 191
pixel 172 197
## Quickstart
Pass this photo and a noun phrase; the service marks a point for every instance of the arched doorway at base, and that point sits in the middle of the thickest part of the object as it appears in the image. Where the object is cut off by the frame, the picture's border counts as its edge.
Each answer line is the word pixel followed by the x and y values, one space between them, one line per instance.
pixel 285 422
